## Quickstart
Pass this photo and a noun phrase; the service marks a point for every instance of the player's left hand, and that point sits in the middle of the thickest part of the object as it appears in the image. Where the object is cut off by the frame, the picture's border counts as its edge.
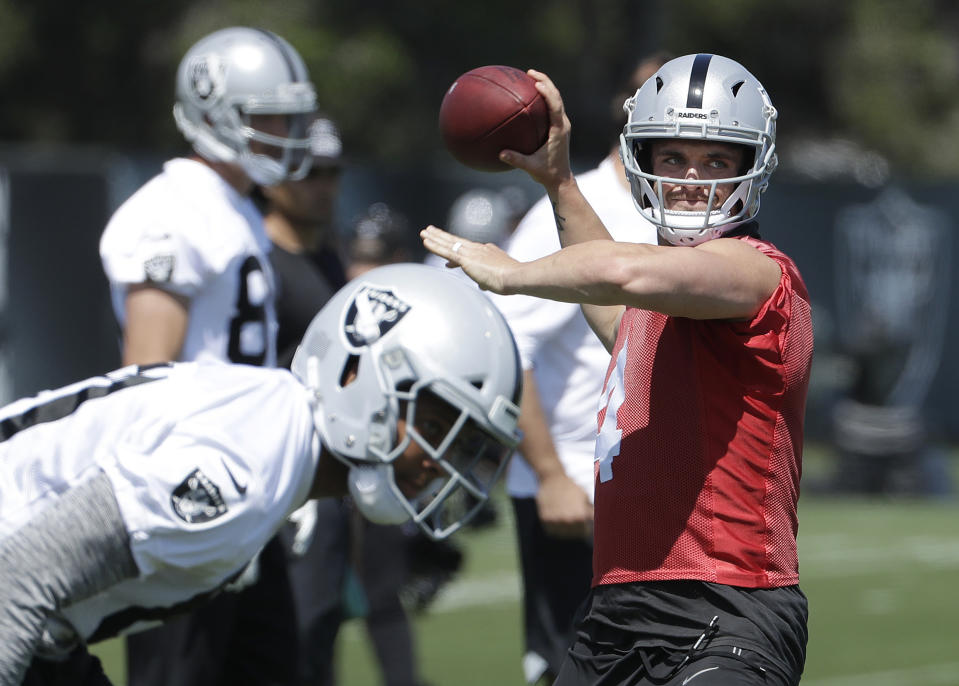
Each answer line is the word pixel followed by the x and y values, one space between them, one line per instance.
pixel 564 508
pixel 485 263
pixel 304 526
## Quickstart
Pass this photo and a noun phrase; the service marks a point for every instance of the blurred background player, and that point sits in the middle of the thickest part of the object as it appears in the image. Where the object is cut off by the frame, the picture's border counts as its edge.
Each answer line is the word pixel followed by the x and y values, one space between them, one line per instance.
pixel 484 215
pixel 379 235
pixel 128 497
pixel 186 257
pixel 305 251
pixel 550 479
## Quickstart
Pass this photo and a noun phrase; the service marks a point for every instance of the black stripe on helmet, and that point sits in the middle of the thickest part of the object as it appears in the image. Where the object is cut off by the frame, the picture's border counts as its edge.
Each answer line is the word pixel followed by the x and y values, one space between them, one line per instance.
pixel 697 81
pixel 290 65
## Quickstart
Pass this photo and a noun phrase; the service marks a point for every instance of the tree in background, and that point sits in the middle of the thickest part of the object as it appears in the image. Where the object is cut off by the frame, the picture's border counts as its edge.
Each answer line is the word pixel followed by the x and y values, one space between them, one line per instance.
pixel 877 73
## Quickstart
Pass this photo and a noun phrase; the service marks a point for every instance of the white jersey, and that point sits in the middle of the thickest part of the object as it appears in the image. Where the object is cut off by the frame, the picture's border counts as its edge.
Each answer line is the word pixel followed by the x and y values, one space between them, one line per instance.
pixel 206 461
pixel 189 232
pixel 554 340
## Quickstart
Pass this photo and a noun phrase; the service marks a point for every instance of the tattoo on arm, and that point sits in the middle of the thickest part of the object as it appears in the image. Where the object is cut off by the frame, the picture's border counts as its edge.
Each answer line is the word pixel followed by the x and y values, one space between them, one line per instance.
pixel 560 220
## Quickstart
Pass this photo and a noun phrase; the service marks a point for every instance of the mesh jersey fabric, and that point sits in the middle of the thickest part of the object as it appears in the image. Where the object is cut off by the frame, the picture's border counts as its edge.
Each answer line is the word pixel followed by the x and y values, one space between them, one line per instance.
pixel 699 451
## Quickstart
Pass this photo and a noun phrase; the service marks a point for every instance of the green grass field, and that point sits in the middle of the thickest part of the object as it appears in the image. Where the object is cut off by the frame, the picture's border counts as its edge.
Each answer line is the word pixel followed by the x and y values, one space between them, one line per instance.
pixel 880 576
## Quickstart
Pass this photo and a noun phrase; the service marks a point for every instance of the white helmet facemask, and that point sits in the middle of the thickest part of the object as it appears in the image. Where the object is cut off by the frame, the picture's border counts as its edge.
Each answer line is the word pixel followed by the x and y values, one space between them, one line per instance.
pixel 700 97
pixel 408 360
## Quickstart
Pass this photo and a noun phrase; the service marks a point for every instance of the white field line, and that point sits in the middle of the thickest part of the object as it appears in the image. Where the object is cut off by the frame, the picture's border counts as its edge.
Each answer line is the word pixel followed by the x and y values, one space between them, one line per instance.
pixel 837 555
pixel 941 674
pixel 491 589
pixel 833 555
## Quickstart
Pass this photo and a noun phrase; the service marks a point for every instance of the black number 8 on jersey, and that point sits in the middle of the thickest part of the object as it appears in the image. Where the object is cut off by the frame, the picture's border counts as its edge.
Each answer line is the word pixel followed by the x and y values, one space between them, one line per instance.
pixel 249 315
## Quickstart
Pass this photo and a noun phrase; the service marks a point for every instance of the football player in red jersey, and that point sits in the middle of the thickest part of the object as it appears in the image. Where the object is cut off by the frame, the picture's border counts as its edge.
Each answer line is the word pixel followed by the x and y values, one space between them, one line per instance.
pixel 698 453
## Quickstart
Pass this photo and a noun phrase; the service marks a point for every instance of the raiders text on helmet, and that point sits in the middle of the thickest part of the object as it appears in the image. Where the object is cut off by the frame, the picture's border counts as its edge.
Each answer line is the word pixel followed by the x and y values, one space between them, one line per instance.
pixel 387 340
pixel 229 77
pixel 700 97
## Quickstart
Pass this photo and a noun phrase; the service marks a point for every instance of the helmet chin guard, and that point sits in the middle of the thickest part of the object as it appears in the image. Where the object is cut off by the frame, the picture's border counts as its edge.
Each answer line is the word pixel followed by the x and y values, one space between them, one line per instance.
pixel 700 97
pixel 372 493
pixel 409 360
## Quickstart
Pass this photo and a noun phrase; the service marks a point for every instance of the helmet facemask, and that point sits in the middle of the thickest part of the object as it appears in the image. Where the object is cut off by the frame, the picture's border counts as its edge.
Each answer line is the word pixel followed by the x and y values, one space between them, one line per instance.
pixel 467 458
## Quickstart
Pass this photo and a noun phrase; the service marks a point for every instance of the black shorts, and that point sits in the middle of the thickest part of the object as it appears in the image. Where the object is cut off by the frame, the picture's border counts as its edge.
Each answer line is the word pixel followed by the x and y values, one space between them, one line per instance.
pixel 659 667
pixel 80 668
pixel 246 637
pixel 556 578
pixel 671 632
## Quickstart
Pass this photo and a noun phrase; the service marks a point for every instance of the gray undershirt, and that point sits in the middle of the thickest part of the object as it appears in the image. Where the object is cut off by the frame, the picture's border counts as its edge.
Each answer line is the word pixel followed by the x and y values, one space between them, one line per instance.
pixel 72 550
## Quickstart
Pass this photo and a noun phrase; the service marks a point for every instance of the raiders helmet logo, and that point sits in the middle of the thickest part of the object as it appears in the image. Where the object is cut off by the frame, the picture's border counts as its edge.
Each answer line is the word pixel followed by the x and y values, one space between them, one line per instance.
pixel 207 77
pixel 373 312
pixel 197 499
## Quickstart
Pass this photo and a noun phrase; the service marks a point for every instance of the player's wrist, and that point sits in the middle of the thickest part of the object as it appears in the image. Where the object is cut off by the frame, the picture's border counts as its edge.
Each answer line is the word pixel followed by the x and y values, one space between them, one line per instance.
pixel 559 185
pixel 552 474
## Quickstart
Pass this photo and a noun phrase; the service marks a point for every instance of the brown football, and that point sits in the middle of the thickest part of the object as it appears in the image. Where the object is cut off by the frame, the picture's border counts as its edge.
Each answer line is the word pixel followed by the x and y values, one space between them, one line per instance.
pixel 489 109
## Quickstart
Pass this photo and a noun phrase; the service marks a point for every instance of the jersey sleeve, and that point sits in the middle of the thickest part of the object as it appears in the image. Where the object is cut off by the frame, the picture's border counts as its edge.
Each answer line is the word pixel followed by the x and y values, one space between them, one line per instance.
pixel 190 512
pixel 774 314
pixel 162 250
pixel 203 493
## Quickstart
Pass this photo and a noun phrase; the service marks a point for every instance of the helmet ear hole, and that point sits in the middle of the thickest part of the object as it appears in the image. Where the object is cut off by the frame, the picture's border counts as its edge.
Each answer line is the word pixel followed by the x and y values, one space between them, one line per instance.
pixel 643 154
pixel 350 369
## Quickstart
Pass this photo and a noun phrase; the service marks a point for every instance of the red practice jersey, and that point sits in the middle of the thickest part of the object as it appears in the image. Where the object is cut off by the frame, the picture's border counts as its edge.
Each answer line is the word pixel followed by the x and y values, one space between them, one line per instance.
pixel 698 456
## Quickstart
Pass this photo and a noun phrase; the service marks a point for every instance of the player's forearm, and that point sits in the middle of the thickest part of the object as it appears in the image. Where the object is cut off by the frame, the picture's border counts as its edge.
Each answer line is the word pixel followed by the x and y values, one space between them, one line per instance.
pixel 74 549
pixel 576 220
pixel 537 445
pixel 580 273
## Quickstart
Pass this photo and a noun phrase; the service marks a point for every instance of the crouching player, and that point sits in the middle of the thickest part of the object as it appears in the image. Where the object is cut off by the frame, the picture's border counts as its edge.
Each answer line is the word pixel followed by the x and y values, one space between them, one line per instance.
pixel 129 497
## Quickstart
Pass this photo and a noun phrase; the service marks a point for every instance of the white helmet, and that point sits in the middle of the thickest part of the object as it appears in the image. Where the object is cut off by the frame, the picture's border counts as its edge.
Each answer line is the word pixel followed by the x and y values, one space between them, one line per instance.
pixel 700 97
pixel 408 332
pixel 484 216
pixel 231 75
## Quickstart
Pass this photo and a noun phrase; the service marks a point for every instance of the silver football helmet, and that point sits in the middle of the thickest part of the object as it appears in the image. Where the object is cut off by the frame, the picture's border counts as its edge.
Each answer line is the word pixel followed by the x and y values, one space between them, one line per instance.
pixel 391 343
pixel 700 97
pixel 233 75
pixel 484 216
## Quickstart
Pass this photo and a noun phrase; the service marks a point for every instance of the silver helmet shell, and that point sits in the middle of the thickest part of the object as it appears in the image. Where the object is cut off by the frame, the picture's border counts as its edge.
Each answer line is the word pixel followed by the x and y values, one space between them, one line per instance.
pixel 232 75
pixel 408 330
pixel 481 215
pixel 700 97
